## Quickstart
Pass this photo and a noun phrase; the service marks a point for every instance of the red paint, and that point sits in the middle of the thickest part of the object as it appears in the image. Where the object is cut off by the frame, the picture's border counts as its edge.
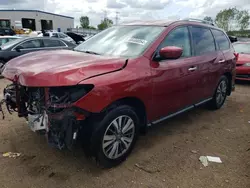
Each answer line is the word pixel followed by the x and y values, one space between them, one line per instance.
pixel 171 52
pixel 241 69
pixel 163 87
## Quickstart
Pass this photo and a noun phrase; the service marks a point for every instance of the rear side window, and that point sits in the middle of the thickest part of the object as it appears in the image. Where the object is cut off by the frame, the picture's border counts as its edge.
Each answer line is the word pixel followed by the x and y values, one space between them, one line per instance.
pixel 203 40
pixel 180 38
pixel 221 39
pixel 52 43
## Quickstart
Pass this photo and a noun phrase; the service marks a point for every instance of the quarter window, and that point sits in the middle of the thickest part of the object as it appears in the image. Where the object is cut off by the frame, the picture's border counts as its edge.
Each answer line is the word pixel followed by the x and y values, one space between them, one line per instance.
pixel 31 44
pixel 203 40
pixel 180 38
pixel 221 39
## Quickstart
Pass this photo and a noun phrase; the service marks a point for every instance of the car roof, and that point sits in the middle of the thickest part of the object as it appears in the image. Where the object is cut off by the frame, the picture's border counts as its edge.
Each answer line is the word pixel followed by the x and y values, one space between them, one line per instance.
pixel 167 22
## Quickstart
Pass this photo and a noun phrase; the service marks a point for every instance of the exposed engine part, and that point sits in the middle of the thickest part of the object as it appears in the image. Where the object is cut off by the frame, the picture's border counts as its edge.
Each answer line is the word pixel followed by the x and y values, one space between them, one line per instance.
pixel 48 110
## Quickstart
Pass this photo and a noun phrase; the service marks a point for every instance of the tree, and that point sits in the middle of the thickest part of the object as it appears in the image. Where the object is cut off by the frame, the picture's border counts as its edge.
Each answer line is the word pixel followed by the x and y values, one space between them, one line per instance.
pixel 243 19
pixel 84 21
pixel 209 19
pixel 92 27
pixel 105 23
pixel 230 18
pixel 225 18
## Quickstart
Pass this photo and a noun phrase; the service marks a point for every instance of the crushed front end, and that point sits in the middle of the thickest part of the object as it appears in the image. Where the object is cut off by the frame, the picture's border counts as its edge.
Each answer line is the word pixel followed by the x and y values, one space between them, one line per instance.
pixel 49 110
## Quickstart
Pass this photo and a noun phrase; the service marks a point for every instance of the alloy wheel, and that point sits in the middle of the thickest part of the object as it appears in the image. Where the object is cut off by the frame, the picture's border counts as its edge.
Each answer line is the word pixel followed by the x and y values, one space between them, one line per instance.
pixel 221 92
pixel 118 137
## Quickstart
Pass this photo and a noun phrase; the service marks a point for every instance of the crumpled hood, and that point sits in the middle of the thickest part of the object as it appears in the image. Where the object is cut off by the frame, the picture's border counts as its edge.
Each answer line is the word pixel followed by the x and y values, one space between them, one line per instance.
pixel 59 67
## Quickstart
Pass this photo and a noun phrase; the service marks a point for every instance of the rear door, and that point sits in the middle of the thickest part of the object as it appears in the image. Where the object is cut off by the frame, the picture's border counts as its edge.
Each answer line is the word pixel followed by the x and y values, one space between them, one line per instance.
pixel 228 62
pixel 206 56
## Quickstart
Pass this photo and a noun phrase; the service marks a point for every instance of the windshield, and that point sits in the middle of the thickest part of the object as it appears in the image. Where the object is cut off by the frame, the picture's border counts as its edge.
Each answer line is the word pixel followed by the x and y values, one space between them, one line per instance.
pixel 11 43
pixel 242 48
pixel 122 41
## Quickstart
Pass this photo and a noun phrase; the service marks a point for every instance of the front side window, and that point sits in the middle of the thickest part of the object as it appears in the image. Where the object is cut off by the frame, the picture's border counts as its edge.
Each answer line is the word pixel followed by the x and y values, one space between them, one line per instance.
pixel 221 39
pixel 121 41
pixel 180 38
pixel 31 44
pixel 203 40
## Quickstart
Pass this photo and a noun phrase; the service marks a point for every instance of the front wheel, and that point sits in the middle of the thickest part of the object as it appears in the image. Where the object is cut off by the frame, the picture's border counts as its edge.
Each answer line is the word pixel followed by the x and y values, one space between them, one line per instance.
pixel 115 138
pixel 220 94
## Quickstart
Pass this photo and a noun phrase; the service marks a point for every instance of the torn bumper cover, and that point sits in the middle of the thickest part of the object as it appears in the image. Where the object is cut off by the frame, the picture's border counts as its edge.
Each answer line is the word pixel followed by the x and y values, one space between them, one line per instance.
pixel 49 110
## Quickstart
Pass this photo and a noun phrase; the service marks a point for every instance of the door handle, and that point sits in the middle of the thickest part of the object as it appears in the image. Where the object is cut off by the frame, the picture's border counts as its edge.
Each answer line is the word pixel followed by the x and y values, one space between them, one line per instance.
pixel 192 68
pixel 222 61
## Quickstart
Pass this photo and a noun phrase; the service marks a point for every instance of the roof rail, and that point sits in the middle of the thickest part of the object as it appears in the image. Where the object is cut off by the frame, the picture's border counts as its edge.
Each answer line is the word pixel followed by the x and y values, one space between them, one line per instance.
pixel 199 20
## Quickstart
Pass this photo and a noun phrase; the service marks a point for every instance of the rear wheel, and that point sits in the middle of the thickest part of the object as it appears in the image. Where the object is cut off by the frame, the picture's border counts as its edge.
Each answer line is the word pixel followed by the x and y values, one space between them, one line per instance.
pixel 220 94
pixel 115 136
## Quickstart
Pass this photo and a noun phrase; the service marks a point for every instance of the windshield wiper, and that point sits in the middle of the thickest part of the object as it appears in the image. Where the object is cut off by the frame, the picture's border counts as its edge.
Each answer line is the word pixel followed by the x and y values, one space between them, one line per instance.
pixel 90 52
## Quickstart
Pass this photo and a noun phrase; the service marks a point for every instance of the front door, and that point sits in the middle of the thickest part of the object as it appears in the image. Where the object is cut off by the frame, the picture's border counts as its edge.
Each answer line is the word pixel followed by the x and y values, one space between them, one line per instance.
pixel 175 81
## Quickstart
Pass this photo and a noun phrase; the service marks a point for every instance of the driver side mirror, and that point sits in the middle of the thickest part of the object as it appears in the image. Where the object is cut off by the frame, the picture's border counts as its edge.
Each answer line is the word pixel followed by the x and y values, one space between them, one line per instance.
pixel 171 52
pixel 18 48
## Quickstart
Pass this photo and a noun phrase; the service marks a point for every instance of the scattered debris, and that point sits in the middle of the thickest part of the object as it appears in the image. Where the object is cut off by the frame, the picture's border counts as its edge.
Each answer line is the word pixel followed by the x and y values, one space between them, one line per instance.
pixel 51 174
pixel 205 159
pixel 163 180
pixel 193 151
pixel 248 121
pixel 11 154
pixel 248 149
pixel 146 169
pixel 227 181
pixel 214 159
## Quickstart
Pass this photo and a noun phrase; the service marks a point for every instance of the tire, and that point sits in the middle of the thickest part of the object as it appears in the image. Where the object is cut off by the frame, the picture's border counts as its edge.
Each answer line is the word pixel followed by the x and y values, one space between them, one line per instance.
pixel 220 94
pixel 118 128
pixel 1 67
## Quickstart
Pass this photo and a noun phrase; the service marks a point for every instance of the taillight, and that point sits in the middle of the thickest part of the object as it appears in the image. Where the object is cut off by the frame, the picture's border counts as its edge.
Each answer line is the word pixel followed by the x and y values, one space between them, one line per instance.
pixel 236 56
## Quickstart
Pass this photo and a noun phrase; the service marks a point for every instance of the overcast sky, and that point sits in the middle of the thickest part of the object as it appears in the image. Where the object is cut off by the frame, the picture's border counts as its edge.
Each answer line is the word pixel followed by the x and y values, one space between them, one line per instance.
pixel 128 9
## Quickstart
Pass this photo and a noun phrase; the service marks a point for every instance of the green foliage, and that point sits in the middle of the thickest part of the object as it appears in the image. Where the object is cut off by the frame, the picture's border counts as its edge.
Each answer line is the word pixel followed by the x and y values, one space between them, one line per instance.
pixel 243 19
pixel 208 18
pixel 84 21
pixel 92 27
pixel 226 19
pixel 105 24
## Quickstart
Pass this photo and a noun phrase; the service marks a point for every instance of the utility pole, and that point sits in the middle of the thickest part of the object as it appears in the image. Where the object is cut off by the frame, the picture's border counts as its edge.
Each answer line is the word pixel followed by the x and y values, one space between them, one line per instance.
pixel 105 14
pixel 116 17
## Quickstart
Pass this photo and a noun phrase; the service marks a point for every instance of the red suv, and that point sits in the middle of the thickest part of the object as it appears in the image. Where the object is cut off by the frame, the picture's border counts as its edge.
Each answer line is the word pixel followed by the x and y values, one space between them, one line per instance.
pixel 119 82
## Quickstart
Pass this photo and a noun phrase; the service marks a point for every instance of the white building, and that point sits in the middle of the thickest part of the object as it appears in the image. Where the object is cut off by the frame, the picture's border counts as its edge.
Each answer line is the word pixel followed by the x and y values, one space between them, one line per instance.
pixel 35 20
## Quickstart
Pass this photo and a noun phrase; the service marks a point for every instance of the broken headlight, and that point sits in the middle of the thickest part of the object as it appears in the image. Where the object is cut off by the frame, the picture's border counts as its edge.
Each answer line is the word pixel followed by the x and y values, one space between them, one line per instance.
pixel 68 94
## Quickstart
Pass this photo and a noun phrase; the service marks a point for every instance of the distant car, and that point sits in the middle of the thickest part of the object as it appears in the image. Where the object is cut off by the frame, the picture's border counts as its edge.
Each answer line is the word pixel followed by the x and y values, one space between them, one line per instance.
pixel 243 62
pixel 60 35
pixel 24 45
pixel 7 31
pixel 5 39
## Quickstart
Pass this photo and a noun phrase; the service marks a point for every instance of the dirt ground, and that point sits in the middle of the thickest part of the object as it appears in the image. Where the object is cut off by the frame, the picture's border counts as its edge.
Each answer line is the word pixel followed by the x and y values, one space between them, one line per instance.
pixel 168 156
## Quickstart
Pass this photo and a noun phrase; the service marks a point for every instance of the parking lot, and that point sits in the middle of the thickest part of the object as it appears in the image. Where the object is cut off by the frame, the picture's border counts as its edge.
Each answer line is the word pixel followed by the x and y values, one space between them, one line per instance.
pixel 168 156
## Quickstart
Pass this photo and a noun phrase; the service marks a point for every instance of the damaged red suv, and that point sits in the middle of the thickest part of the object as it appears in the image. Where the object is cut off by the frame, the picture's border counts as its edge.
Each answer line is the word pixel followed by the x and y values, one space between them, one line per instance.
pixel 119 82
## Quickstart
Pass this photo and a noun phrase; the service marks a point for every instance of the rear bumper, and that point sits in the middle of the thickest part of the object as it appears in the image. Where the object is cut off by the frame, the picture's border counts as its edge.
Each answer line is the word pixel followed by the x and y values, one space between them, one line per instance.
pixel 243 73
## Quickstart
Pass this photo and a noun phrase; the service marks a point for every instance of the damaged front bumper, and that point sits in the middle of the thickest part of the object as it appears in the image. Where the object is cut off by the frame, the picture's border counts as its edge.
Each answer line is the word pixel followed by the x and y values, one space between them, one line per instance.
pixel 60 122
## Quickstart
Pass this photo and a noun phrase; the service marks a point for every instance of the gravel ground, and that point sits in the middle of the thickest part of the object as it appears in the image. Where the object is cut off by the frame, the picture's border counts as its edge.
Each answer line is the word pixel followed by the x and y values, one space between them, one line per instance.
pixel 168 156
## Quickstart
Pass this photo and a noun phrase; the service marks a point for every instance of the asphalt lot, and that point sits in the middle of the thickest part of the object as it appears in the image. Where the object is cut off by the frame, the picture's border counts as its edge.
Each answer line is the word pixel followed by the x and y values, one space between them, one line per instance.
pixel 166 157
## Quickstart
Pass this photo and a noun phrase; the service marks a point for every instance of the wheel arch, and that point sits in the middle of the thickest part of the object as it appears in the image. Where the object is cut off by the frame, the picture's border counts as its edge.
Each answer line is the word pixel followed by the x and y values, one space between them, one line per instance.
pixel 135 103
pixel 229 78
